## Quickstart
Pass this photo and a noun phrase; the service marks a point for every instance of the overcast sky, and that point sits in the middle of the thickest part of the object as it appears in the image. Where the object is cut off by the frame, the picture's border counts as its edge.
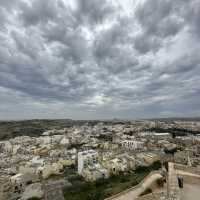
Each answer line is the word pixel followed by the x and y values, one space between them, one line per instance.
pixel 99 59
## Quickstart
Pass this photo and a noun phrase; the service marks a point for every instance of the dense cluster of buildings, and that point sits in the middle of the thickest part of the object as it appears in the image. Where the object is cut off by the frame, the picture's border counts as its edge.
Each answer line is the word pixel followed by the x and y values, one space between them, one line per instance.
pixel 93 151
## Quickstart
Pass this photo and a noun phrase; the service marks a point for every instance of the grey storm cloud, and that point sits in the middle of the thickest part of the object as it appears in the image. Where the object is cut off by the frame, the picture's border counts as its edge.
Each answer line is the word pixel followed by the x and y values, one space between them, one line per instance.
pixel 158 20
pixel 99 58
pixel 39 11
pixel 93 11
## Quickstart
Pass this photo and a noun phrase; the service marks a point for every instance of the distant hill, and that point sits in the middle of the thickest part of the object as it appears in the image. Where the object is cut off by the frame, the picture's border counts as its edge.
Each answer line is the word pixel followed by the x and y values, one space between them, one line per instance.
pixel 10 129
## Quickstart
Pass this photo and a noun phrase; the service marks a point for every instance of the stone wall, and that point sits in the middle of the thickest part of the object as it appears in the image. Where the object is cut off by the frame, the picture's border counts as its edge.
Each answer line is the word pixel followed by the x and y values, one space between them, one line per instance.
pixel 173 191
pixel 186 168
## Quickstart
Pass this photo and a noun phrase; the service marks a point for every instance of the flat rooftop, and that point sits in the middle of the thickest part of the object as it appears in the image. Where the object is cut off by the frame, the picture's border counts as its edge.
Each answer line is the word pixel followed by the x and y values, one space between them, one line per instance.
pixel 190 192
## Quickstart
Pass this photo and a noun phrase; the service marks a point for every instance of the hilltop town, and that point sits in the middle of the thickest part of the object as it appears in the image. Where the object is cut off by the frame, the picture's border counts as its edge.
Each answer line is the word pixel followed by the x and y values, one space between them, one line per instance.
pixel 95 161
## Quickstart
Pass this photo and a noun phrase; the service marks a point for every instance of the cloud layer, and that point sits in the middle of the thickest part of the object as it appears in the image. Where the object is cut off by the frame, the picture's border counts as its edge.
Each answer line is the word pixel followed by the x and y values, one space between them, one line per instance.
pixel 88 59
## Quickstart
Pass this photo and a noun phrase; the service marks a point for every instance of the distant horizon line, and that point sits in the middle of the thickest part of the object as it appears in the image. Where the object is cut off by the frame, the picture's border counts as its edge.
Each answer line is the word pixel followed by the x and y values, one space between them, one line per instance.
pixel 108 119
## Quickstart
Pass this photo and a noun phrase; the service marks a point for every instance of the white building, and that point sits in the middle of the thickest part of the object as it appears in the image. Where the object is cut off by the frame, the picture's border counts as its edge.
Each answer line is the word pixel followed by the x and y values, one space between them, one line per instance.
pixel 155 135
pixel 162 135
pixel 132 144
pixel 86 158
pixel 37 161
pixel 6 146
pixel 64 141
